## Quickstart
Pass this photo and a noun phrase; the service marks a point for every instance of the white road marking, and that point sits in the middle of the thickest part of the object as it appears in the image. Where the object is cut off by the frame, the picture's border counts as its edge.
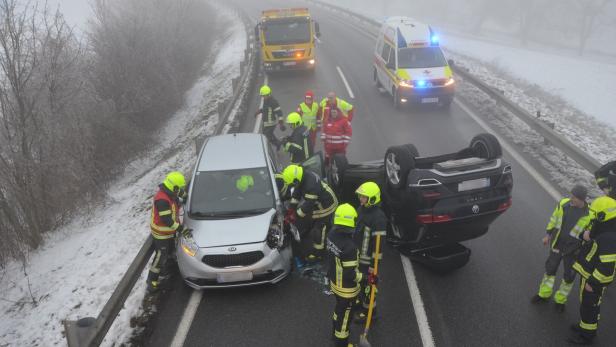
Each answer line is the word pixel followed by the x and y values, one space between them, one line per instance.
pixel 258 118
pixel 187 318
pixel 549 188
pixel 346 84
pixel 425 332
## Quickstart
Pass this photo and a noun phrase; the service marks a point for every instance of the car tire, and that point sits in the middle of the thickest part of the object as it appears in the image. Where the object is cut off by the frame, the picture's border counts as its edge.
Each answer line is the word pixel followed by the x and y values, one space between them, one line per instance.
pixel 396 98
pixel 486 146
pixel 398 162
pixel 375 79
pixel 335 174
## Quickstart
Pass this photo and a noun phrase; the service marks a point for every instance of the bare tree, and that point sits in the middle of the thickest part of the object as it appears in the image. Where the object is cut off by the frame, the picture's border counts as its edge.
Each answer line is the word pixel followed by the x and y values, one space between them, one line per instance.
pixel 589 11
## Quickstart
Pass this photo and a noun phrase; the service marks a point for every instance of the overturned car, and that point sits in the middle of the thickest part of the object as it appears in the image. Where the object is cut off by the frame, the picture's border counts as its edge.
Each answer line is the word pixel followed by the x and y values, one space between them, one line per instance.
pixel 433 203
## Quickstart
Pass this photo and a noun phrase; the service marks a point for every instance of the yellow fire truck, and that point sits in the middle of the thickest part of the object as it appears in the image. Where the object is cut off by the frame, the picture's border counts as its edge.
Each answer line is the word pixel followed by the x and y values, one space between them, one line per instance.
pixel 287 38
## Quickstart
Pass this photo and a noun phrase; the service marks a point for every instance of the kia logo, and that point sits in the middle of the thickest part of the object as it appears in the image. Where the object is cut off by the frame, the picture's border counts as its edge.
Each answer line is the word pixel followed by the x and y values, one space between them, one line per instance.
pixel 475 209
pixel 233 249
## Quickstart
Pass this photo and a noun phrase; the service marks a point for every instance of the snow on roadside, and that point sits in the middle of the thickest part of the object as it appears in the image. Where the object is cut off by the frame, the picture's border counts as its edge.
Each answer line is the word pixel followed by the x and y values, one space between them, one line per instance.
pixel 74 273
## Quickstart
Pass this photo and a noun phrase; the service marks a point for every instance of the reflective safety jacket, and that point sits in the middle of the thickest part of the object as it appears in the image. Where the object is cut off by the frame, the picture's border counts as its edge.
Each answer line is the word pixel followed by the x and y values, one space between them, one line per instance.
pixel 562 226
pixel 314 197
pixel 309 114
pixel 336 133
pixel 164 221
pixel 271 112
pixel 343 273
pixel 345 107
pixel 371 221
pixel 299 145
pixel 597 260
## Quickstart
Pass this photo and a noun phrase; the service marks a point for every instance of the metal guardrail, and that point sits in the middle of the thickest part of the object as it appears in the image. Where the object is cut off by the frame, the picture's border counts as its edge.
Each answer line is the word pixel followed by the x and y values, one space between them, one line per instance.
pixel 584 159
pixel 91 331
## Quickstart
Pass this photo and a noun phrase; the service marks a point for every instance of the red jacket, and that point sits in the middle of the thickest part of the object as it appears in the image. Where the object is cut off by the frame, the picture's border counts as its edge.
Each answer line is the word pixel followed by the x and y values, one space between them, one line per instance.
pixel 336 133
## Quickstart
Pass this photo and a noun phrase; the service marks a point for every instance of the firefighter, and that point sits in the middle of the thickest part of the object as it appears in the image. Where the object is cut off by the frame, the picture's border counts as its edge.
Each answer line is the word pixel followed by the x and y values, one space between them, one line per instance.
pixel 596 262
pixel 272 115
pixel 309 110
pixel 332 101
pixel 311 206
pixel 298 144
pixel 371 224
pixel 164 224
pixel 564 243
pixel 343 273
pixel 336 133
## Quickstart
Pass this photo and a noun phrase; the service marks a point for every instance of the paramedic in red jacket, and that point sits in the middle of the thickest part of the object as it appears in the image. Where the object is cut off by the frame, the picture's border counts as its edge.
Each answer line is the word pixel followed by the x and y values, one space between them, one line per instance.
pixel 336 132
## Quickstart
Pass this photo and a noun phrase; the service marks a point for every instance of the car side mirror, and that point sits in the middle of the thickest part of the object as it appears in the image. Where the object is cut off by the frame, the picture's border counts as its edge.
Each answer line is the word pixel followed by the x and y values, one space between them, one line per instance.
pixel 450 62
pixel 317 29
pixel 257 32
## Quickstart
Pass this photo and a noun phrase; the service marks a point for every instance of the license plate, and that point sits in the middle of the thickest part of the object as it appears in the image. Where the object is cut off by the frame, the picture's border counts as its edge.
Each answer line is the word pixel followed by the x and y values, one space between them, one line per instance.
pixel 289 63
pixel 474 184
pixel 429 100
pixel 234 276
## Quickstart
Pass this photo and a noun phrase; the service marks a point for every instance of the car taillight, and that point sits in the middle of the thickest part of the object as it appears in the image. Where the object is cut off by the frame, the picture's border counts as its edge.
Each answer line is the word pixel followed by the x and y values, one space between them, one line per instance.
pixel 430 218
pixel 504 206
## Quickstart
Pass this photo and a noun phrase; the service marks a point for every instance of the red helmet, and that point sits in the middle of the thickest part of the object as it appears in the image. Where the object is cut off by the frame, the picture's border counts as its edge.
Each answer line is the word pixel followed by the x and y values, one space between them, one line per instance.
pixel 309 94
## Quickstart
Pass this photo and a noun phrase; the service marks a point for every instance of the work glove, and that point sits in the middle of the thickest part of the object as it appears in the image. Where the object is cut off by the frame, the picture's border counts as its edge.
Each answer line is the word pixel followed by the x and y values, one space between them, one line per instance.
pixel 373 279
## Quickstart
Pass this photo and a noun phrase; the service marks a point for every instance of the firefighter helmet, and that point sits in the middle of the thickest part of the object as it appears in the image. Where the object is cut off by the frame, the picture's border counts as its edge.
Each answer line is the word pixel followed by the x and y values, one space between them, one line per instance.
pixel 345 215
pixel 294 119
pixel 175 181
pixel 606 177
pixel 370 190
pixel 292 174
pixel 265 90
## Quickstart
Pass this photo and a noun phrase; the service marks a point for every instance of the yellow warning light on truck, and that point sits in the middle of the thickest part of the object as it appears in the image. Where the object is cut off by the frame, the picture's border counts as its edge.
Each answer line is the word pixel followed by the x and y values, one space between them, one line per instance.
pixel 287 39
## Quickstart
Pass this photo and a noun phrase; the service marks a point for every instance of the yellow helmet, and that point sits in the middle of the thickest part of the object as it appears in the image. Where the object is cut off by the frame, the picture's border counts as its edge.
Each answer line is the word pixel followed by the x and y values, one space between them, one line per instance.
pixel 604 208
pixel 175 181
pixel 292 173
pixel 244 182
pixel 345 215
pixel 265 91
pixel 370 190
pixel 294 119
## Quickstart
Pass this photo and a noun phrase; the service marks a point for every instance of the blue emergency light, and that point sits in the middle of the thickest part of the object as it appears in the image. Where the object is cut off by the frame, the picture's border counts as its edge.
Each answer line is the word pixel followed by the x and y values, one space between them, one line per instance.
pixel 434 39
pixel 420 83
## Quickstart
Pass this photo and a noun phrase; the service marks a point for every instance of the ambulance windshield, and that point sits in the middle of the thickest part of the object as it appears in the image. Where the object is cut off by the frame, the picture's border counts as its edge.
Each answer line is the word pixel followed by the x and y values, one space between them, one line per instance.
pixel 420 58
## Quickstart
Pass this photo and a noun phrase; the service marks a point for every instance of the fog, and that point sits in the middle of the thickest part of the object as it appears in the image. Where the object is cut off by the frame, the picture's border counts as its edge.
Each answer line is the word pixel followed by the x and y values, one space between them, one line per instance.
pixel 579 26
pixel 76 12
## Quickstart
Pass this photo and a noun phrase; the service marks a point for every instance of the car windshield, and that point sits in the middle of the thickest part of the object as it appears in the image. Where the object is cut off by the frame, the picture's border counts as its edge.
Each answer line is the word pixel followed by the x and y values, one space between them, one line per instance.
pixel 420 58
pixel 287 31
pixel 231 193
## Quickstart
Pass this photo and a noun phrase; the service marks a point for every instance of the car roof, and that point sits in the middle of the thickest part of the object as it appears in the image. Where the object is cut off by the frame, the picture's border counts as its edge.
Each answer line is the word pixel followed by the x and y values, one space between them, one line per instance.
pixel 410 29
pixel 233 152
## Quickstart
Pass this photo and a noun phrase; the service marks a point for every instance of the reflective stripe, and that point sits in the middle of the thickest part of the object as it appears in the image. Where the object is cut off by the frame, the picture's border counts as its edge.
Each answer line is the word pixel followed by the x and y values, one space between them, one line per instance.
pixel 588 326
pixel 351 263
pixel 592 252
pixel 294 201
pixel 578 267
pixel 311 196
pixel 164 213
pixel 365 245
pixel 602 278
pixel 338 273
pixel 301 213
pixel 379 233
pixel 607 258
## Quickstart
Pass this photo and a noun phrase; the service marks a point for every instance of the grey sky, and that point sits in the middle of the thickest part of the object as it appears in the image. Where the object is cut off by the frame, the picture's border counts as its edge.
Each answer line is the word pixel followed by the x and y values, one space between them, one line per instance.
pixel 76 12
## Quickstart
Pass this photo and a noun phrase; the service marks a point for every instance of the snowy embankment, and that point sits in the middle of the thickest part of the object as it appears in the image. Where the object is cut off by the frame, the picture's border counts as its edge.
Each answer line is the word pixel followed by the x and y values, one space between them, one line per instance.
pixel 74 273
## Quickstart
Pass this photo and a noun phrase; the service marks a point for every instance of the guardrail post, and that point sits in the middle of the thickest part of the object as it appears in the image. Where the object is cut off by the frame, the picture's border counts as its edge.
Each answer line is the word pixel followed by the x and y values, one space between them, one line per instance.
pixel 234 82
pixel 221 108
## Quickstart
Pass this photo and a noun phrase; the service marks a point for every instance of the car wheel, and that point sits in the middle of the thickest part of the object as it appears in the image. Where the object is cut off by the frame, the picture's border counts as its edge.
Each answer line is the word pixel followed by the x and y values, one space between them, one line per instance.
pixel 375 78
pixel 399 161
pixel 337 167
pixel 396 98
pixel 486 146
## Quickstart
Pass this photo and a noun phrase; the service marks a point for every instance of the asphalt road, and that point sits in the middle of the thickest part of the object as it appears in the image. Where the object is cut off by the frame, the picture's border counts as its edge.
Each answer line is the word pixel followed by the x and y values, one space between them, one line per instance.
pixel 486 303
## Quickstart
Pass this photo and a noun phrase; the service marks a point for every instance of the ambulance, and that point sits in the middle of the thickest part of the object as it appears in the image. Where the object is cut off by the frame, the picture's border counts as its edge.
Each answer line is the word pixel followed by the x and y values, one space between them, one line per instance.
pixel 410 65
pixel 287 39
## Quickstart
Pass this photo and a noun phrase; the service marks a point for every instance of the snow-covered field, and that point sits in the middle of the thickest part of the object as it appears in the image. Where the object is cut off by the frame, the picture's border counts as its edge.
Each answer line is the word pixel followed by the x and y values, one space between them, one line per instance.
pixel 74 273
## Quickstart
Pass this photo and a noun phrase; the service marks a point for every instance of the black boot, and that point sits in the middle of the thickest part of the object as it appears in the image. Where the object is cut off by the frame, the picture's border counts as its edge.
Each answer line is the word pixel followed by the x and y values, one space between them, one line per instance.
pixel 560 308
pixel 537 299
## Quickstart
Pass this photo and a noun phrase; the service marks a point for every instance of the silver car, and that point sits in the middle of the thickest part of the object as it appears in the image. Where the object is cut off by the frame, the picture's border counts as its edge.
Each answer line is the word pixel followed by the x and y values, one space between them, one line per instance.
pixel 235 214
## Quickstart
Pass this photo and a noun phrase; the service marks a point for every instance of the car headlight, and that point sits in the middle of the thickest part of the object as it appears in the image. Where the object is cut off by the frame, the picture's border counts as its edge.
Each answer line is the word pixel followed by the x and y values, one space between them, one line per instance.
pixel 406 84
pixel 189 246
pixel 275 236
pixel 450 81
